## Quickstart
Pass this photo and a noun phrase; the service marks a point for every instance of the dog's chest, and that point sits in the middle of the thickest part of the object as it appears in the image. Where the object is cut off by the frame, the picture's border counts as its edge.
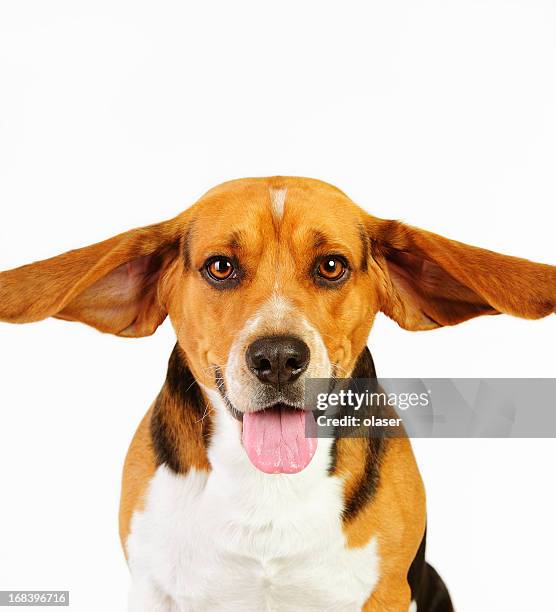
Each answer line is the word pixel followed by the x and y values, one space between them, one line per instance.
pixel 258 543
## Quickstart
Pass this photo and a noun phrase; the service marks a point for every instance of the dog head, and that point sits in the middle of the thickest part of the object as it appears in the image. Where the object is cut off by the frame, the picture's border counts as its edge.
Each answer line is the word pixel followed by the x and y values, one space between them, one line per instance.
pixel 270 281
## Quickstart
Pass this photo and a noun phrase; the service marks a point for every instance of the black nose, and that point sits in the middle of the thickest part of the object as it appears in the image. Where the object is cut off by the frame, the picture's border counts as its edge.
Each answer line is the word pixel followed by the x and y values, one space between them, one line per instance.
pixel 278 360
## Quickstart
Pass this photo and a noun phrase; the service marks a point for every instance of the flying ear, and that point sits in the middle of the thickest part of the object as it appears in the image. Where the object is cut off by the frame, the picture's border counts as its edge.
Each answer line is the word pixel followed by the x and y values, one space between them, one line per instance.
pixel 112 285
pixel 431 281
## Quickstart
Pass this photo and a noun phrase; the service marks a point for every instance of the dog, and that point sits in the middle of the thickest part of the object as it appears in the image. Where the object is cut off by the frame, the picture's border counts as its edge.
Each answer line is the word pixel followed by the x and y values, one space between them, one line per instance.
pixel 226 504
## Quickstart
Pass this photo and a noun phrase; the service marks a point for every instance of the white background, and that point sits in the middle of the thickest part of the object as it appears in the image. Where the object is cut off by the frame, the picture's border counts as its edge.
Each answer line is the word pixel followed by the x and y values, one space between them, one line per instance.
pixel 116 115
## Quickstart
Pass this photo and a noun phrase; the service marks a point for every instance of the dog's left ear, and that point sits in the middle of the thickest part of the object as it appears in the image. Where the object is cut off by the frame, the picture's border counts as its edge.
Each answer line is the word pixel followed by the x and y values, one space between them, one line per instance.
pixel 113 285
pixel 431 281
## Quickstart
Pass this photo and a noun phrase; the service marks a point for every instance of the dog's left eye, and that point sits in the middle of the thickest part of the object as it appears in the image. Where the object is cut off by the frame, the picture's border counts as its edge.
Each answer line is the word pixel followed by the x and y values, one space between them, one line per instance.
pixel 332 268
pixel 220 268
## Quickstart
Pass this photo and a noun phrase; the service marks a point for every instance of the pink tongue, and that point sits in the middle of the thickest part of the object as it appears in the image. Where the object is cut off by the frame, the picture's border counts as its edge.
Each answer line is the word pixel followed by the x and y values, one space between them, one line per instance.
pixel 275 440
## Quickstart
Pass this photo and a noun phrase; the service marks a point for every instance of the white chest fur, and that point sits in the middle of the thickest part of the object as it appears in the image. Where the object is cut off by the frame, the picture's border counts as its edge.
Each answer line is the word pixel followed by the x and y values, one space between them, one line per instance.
pixel 238 539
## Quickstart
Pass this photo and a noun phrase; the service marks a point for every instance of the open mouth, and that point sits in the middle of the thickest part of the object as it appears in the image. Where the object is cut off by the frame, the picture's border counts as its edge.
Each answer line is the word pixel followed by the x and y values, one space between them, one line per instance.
pixel 279 439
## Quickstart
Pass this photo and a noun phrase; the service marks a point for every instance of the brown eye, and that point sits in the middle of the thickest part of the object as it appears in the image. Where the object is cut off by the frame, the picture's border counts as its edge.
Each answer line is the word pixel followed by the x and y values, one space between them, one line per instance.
pixel 332 268
pixel 219 268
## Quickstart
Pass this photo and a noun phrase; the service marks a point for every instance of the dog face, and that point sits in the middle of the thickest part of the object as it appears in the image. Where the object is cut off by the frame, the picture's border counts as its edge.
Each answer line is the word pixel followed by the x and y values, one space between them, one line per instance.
pixel 270 281
pixel 275 284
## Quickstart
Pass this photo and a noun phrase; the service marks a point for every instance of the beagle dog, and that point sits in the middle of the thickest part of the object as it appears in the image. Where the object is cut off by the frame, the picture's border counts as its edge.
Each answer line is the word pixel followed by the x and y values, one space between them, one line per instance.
pixel 226 503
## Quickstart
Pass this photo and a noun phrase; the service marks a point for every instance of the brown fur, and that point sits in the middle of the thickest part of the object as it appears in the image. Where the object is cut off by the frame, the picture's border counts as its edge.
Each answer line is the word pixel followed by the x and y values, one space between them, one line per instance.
pixel 434 281
pixel 139 468
pixel 397 517
pixel 126 285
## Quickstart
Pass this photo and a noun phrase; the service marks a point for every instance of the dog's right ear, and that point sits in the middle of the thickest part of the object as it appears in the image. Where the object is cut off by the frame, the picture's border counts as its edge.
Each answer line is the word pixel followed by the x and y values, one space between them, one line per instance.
pixel 113 285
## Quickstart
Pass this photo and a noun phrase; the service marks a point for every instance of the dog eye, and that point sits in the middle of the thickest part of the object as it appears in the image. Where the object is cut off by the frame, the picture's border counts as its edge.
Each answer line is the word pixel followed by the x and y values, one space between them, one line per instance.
pixel 332 268
pixel 219 268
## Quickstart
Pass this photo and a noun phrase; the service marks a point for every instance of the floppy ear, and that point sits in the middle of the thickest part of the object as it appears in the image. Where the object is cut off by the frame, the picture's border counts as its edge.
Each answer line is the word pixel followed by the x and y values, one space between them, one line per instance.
pixel 112 285
pixel 431 281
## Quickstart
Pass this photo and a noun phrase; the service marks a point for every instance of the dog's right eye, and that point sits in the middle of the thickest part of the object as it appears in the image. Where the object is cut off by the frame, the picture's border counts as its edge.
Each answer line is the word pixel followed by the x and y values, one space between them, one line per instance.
pixel 220 268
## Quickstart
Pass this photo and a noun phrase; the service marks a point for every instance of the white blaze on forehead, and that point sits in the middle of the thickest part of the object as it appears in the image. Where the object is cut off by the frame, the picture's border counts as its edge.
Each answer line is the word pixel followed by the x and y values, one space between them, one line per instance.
pixel 278 201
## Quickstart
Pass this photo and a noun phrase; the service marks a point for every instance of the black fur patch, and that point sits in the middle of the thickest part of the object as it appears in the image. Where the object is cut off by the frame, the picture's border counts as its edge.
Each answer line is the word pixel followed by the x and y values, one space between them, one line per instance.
pixel 369 482
pixel 179 400
pixel 415 574
pixel 365 366
pixel 164 444
pixel 182 384
pixel 427 587
pixel 374 450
